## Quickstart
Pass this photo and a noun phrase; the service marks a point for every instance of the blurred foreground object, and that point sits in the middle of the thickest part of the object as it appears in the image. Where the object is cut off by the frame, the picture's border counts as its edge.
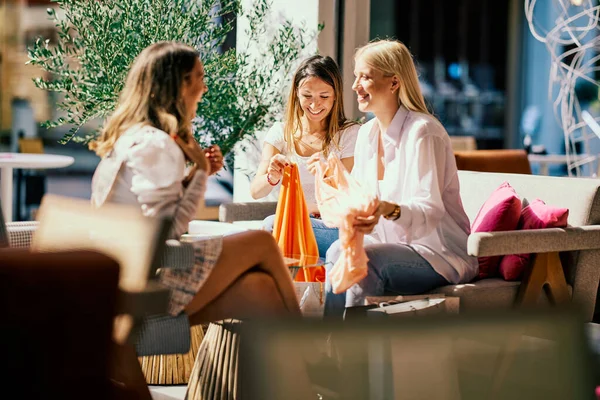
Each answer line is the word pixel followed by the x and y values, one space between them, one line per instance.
pixel 505 356
pixel 57 317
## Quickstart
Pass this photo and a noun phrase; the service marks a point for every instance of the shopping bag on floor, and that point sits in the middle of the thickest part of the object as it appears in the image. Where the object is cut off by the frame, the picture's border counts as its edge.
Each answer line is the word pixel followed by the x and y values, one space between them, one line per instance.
pixel 292 227
pixel 435 353
pixel 340 198
pixel 311 298
pixel 413 305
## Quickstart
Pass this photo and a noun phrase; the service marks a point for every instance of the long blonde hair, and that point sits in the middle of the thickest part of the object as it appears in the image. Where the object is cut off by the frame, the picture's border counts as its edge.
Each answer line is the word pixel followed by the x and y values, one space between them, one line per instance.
pixel 152 94
pixel 327 70
pixel 393 58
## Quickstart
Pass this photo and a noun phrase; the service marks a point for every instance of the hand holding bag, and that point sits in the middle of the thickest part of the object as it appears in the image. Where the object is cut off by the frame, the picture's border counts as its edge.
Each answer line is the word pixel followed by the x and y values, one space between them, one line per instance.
pixel 292 227
pixel 340 199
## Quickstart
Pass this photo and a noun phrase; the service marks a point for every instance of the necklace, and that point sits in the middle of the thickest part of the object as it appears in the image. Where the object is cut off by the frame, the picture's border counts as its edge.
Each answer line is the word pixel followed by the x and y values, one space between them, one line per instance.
pixel 309 144
pixel 313 138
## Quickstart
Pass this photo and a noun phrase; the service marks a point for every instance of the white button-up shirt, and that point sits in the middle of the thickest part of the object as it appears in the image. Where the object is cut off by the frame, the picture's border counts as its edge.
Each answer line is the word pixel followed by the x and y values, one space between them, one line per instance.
pixel 421 176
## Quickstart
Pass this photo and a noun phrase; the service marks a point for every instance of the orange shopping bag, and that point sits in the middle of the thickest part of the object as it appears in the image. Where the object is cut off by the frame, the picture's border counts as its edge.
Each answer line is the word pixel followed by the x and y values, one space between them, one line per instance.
pixel 292 228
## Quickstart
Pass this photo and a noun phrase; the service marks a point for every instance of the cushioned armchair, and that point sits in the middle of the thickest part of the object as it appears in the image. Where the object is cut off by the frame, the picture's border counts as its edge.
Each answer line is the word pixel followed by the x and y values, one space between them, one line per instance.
pixel 57 320
pixel 566 263
pixel 512 161
pixel 155 332
pixel 158 334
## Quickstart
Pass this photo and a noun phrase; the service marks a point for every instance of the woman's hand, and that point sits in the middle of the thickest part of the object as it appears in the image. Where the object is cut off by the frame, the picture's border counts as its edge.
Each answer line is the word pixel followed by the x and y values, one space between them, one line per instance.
pixel 276 165
pixel 193 152
pixel 312 163
pixel 367 224
pixel 215 158
pixel 313 209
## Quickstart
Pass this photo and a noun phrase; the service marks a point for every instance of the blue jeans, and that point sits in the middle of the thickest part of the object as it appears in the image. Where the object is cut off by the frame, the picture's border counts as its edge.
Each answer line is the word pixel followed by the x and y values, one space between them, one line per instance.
pixel 325 236
pixel 394 269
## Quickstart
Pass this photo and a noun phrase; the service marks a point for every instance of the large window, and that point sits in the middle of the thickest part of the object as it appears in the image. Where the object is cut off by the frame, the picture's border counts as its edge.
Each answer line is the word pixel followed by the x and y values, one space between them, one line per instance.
pixel 460 48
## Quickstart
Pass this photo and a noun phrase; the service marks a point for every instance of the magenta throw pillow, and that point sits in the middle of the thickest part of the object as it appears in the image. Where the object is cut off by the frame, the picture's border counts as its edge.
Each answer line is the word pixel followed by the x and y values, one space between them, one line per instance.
pixel 537 215
pixel 500 212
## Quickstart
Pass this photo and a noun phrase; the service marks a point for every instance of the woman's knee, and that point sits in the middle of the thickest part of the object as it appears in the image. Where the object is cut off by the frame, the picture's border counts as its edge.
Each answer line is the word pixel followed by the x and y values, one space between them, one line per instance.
pixel 251 237
pixel 260 239
pixel 334 252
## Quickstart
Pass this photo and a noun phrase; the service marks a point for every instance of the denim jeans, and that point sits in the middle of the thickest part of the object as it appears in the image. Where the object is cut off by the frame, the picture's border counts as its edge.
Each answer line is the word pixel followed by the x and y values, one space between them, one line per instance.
pixel 394 269
pixel 325 236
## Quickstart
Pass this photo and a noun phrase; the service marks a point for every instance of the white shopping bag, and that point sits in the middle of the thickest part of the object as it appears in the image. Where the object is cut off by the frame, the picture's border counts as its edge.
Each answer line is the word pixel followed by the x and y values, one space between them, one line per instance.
pixel 311 297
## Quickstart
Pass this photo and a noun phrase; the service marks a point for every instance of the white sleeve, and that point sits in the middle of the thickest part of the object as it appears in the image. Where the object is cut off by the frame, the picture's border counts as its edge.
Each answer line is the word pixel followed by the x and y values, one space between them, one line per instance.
pixel 348 141
pixel 275 136
pixel 425 171
pixel 157 165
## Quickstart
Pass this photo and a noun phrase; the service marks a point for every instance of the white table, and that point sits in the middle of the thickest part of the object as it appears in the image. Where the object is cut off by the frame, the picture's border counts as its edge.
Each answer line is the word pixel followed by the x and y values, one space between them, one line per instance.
pixel 544 160
pixel 201 229
pixel 9 161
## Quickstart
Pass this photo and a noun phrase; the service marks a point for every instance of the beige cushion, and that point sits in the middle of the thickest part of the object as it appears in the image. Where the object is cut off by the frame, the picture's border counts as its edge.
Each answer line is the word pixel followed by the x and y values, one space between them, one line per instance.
pixel 579 195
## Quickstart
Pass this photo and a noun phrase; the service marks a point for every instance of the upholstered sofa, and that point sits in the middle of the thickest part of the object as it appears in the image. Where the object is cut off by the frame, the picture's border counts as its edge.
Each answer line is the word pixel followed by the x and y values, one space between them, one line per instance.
pixel 567 262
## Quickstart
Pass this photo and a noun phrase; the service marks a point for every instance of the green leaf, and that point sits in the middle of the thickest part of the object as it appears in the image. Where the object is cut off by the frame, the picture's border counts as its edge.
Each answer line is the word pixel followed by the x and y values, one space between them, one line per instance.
pixel 98 41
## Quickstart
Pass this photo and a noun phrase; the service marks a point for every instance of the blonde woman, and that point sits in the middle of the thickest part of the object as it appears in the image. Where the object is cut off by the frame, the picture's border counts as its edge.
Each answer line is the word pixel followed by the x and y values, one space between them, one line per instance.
pixel 315 125
pixel 403 156
pixel 145 147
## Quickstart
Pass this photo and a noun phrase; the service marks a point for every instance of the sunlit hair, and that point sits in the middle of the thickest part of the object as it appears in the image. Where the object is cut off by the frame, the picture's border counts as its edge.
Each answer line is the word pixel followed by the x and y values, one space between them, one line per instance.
pixel 393 58
pixel 152 94
pixel 328 71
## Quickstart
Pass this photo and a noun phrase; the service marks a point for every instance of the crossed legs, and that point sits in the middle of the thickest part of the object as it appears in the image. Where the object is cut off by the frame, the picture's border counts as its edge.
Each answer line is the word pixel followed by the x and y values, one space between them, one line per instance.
pixel 249 280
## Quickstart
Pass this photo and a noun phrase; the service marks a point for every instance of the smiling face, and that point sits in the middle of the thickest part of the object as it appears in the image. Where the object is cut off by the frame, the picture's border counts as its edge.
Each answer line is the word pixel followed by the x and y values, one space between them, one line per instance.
pixel 193 89
pixel 375 90
pixel 316 98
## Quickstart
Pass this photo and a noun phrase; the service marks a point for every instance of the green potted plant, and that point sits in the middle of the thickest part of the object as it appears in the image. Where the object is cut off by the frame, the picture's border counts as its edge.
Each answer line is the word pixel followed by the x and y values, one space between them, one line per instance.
pixel 98 40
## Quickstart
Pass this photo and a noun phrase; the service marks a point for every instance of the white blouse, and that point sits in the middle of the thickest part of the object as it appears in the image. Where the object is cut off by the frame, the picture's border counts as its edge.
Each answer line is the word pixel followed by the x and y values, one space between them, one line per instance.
pixel 342 145
pixel 147 167
pixel 421 176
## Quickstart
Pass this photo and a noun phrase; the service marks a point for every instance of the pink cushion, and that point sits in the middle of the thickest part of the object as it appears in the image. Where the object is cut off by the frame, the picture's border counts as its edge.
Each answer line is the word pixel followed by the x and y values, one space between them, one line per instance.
pixel 537 215
pixel 500 212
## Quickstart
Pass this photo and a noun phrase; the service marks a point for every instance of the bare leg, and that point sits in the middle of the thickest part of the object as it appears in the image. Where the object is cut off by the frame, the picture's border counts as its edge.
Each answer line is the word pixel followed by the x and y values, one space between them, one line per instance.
pixel 241 253
pixel 254 294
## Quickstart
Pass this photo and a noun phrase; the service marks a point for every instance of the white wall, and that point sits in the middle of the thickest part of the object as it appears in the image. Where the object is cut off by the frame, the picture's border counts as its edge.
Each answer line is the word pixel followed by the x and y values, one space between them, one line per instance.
pixel 247 154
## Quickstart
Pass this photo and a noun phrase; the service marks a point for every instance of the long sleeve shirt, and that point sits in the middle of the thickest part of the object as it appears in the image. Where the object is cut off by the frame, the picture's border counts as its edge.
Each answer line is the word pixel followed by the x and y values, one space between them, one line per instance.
pixel 421 176
pixel 147 167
